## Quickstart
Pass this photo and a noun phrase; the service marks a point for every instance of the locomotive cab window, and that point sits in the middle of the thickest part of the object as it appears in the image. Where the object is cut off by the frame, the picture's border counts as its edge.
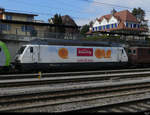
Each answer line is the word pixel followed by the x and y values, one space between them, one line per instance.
pixel 20 51
pixel 31 49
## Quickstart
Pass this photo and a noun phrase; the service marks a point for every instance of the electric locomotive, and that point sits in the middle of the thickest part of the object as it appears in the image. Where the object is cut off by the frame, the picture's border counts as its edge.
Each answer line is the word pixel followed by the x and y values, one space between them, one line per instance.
pixel 46 57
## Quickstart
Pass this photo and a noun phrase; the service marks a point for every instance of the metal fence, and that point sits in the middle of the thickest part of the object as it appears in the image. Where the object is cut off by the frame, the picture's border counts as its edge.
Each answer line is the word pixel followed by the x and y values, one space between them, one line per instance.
pixel 21 34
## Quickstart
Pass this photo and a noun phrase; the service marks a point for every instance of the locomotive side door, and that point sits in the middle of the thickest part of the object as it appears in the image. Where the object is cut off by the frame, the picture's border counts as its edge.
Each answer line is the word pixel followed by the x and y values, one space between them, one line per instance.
pixel 120 53
pixel 34 52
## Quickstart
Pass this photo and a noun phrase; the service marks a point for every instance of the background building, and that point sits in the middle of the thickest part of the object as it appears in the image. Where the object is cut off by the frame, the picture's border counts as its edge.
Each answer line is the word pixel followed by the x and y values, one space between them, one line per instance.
pixel 17 29
pixel 117 21
pixel 24 25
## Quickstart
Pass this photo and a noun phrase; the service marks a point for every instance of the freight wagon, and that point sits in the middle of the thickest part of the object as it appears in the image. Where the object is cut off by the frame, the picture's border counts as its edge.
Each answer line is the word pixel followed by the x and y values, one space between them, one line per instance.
pixel 139 56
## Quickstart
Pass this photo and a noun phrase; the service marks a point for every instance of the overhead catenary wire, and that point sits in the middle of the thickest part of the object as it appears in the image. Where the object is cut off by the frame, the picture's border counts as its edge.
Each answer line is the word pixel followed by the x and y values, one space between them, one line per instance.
pixel 109 4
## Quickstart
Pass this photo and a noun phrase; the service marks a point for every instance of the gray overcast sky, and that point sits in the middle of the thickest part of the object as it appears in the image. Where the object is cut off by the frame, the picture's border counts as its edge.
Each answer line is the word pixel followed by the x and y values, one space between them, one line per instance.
pixel 82 11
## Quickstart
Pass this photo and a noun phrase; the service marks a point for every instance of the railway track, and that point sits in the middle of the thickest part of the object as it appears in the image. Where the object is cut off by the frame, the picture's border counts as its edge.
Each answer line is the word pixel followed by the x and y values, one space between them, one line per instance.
pixel 71 98
pixel 131 106
pixel 71 77
pixel 74 93
pixel 55 74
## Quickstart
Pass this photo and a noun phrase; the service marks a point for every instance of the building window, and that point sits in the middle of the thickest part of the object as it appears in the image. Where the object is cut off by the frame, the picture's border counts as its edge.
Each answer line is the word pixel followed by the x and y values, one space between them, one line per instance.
pixel 134 25
pixel 5 27
pixel 29 19
pixel 96 28
pixel 100 27
pixel 134 51
pixel 127 25
pixel 131 25
pixel 23 28
pixel 107 26
pixel 115 25
pixel 103 27
pixel 112 25
pixel 8 17
pixel 138 25
pixel 27 28
pixel 8 27
pixel 93 29
pixel 129 51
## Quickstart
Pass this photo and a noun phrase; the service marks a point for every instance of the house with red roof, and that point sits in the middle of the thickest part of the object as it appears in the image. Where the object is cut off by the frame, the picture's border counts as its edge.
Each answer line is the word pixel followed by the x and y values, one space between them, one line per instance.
pixel 123 20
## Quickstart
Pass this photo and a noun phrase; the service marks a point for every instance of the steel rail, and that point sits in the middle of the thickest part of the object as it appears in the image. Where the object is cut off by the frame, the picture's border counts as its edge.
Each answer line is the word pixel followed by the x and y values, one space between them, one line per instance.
pixel 18 95
pixel 11 76
pixel 67 79
pixel 142 105
pixel 129 85
pixel 73 103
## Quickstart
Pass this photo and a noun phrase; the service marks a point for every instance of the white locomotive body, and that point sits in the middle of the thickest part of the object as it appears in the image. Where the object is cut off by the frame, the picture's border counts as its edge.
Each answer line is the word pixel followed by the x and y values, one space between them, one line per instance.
pixel 44 57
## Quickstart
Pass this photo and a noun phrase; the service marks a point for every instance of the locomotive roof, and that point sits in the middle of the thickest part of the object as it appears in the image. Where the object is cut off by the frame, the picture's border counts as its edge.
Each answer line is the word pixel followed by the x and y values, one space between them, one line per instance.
pixel 72 42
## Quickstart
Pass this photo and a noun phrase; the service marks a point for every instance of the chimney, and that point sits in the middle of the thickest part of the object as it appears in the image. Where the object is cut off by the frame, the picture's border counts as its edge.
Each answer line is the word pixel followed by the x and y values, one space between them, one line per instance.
pixel 113 11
